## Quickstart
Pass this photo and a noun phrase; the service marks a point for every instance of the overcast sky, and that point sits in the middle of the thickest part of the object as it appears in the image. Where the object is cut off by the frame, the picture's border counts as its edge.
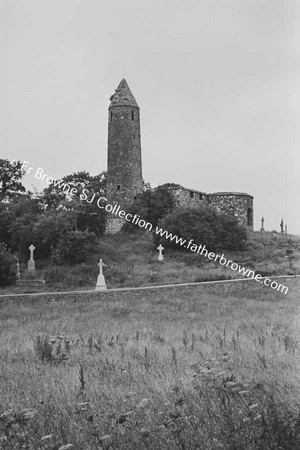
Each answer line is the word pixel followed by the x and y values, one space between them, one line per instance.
pixel 217 81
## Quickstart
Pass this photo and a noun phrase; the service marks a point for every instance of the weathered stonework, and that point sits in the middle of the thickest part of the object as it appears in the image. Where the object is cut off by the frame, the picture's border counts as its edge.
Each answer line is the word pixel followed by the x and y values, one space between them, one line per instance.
pixel 124 168
pixel 188 197
pixel 236 204
pixel 124 163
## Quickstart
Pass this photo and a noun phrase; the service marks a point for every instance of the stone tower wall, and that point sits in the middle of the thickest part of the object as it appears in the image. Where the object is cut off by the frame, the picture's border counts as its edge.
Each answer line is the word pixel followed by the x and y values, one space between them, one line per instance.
pixel 124 161
pixel 124 164
pixel 124 167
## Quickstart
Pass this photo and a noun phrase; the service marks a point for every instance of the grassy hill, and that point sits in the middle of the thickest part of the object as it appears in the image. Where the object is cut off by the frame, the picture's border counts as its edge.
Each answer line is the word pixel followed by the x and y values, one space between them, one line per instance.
pixel 132 261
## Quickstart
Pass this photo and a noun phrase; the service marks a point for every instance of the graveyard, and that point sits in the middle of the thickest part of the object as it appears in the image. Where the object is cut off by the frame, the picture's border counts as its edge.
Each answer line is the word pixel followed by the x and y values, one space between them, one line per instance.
pixel 133 261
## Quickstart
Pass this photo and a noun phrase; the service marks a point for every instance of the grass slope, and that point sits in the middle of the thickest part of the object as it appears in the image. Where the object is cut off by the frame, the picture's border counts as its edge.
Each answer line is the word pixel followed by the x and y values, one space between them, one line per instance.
pixel 131 260
pixel 152 371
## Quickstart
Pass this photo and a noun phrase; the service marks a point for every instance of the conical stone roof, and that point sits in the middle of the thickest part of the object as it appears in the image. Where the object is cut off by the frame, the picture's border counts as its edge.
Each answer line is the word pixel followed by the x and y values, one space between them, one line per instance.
pixel 123 96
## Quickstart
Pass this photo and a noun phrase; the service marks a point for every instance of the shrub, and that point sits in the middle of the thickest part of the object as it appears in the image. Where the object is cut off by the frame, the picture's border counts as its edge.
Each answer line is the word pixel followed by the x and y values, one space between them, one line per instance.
pixel 205 226
pixel 151 206
pixel 52 350
pixel 75 247
pixel 7 272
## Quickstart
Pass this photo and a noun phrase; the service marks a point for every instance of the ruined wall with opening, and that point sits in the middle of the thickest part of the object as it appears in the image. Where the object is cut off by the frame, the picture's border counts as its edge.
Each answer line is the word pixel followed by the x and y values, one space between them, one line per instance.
pixel 236 204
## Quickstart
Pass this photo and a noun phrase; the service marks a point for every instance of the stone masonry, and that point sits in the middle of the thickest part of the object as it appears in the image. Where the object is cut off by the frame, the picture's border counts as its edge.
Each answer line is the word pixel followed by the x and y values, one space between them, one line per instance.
pixel 124 161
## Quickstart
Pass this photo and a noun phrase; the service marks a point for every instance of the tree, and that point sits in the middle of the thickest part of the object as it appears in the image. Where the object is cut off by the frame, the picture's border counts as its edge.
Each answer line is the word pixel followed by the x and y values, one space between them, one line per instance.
pixel 7 260
pixel 73 193
pixel 10 175
pixel 151 205
pixel 23 214
pixel 205 226
pixel 74 248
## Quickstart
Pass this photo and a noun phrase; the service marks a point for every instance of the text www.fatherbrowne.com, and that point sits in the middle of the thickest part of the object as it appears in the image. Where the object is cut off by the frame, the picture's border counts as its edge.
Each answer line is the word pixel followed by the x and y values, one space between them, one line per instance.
pixel 191 245
pixel 135 219
pixel 203 251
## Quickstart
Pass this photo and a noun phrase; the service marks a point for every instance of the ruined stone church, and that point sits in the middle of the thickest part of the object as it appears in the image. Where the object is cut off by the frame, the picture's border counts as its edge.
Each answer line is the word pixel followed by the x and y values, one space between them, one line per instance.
pixel 124 167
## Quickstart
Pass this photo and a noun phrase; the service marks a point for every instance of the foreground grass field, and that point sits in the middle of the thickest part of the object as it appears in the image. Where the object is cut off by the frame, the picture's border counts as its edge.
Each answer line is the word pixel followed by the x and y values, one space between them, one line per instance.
pixel 152 370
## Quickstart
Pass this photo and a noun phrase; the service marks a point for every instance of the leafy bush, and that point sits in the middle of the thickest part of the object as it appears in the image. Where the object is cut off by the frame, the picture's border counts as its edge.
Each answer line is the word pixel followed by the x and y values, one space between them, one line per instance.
pixel 7 272
pixel 151 206
pixel 52 350
pixel 74 247
pixel 205 226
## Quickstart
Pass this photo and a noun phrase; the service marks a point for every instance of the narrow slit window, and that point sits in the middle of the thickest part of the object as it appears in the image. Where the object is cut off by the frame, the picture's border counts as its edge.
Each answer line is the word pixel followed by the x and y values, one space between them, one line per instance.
pixel 111 115
pixel 132 115
pixel 191 194
pixel 118 187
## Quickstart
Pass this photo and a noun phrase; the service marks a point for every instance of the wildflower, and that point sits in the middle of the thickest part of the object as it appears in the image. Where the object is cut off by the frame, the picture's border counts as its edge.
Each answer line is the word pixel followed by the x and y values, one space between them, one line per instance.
pixel 83 404
pixel 143 403
pixel 7 414
pixel 28 414
pixel 47 437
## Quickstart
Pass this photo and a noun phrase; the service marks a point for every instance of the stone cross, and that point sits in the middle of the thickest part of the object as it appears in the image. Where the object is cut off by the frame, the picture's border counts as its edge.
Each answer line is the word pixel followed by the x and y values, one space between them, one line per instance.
pixel 262 224
pixel 31 248
pixel 160 248
pixel 31 262
pixel 101 265
pixel 281 226
pixel 101 284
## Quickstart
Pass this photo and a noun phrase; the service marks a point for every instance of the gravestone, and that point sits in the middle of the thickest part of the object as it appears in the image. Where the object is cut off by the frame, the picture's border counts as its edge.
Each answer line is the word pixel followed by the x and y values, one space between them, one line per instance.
pixel 262 224
pixel 18 275
pixel 31 262
pixel 160 248
pixel 101 284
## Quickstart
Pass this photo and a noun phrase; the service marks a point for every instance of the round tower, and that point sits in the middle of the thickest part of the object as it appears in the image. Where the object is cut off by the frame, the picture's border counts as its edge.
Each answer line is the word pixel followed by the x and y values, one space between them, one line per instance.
pixel 124 161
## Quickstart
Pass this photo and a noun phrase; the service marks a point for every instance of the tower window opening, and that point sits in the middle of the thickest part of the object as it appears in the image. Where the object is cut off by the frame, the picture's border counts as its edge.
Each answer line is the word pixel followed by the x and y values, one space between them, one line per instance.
pixel 134 136
pixel 249 217
pixel 200 196
pixel 118 187
pixel 132 115
pixel 111 115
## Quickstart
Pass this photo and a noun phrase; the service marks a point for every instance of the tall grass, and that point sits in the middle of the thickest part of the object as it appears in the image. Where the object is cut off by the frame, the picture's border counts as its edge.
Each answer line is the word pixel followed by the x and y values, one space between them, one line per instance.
pixel 207 371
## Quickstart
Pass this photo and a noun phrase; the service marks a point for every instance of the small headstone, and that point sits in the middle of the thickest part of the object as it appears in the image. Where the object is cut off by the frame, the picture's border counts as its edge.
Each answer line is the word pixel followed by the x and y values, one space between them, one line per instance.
pixel 31 262
pixel 262 224
pixel 101 284
pixel 18 275
pixel 160 248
